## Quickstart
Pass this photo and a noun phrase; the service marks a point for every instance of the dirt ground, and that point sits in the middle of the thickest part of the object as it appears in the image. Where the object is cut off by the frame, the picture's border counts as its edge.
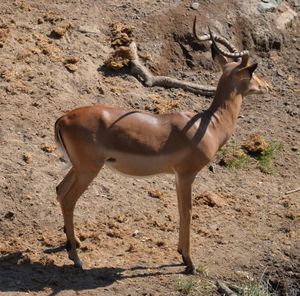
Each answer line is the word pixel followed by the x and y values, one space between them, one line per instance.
pixel 129 227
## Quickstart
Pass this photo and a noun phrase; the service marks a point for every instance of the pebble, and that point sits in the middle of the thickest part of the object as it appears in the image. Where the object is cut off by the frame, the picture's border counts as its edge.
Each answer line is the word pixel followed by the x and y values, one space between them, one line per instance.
pixel 88 29
pixel 212 168
pixel 27 157
pixel 268 5
pixel 9 215
pixel 280 73
pixel 135 233
pixel 195 5
pixel 213 199
pixel 48 148
pixel 71 67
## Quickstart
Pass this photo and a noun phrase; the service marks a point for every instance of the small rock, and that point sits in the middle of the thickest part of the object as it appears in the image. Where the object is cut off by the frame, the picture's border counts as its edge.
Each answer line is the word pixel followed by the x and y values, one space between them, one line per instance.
pixel 280 73
pixel 212 199
pixel 268 5
pixel 71 67
pixel 295 149
pixel 87 29
pixel 135 233
pixel 195 5
pixel 212 168
pixel 9 215
pixel 71 60
pixel 49 148
pixel 60 30
pixel 27 157
pixel 155 194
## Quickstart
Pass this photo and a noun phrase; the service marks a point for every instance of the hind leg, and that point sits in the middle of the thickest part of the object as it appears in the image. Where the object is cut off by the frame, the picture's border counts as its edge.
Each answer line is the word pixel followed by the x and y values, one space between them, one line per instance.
pixel 63 187
pixel 61 191
pixel 81 180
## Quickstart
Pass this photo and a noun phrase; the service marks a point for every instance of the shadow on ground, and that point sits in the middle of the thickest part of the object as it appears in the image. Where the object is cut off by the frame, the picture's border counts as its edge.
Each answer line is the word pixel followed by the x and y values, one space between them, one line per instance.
pixel 19 274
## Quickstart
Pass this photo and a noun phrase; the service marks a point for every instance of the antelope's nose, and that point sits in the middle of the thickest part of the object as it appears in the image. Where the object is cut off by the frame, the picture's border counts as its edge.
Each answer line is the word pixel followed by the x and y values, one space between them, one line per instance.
pixel 264 86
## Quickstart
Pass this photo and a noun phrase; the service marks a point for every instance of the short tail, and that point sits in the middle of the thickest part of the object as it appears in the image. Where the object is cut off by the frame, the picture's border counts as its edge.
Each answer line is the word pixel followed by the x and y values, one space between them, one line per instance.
pixel 59 140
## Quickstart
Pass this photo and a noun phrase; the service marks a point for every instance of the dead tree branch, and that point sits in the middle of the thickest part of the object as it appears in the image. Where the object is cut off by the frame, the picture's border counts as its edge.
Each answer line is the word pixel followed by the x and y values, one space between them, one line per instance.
pixel 224 290
pixel 292 191
pixel 143 74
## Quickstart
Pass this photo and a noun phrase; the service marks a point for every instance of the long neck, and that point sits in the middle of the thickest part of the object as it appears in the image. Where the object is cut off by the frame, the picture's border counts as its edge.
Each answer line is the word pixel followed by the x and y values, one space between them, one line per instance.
pixel 224 112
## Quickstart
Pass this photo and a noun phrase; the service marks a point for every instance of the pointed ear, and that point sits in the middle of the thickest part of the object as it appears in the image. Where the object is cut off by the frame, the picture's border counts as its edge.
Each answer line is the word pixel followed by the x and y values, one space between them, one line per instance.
pixel 248 71
pixel 217 57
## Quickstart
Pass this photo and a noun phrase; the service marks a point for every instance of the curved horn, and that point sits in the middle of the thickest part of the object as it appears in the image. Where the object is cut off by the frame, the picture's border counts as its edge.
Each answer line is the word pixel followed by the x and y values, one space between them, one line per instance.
pixel 242 54
pixel 204 37
pixel 217 38
pixel 225 42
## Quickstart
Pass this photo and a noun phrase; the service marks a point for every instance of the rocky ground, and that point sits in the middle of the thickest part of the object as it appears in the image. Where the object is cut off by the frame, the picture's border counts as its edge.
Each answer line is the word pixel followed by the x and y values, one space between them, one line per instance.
pixel 245 228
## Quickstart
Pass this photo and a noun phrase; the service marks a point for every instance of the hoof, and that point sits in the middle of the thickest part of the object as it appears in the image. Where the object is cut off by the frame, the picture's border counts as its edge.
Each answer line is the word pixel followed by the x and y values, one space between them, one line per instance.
pixel 190 270
pixel 78 264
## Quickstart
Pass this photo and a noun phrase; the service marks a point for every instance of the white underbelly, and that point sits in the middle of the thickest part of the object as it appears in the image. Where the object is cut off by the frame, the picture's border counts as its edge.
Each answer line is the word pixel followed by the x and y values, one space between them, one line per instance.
pixel 141 165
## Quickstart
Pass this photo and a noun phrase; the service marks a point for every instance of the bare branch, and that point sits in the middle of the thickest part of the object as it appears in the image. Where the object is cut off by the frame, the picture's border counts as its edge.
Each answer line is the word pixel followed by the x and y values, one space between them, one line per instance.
pixel 142 73
pixel 224 290
pixel 292 191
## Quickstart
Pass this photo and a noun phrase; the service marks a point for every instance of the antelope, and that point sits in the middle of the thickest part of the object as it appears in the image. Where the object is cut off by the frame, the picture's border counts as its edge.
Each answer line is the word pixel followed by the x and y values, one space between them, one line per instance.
pixel 138 143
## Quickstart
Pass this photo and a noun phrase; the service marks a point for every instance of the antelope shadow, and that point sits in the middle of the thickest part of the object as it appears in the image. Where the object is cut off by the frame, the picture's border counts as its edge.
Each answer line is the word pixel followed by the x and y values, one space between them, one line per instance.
pixel 19 274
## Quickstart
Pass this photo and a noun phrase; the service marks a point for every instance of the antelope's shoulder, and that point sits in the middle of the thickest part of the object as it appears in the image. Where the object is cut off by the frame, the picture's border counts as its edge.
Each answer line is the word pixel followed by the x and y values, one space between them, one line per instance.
pixel 178 119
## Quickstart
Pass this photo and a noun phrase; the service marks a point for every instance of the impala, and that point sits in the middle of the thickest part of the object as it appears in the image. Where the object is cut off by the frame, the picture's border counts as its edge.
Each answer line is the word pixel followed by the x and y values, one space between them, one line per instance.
pixel 138 143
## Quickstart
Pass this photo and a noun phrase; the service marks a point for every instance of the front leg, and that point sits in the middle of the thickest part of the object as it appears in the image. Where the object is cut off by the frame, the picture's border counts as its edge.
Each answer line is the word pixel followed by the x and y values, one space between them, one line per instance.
pixel 184 194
